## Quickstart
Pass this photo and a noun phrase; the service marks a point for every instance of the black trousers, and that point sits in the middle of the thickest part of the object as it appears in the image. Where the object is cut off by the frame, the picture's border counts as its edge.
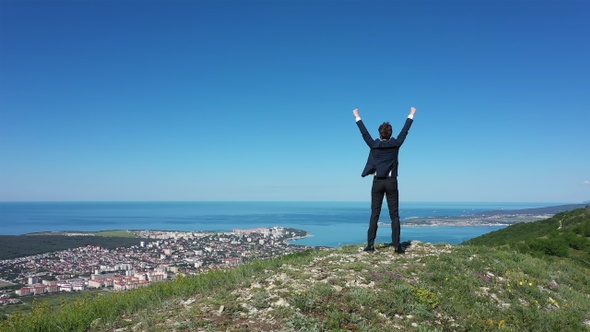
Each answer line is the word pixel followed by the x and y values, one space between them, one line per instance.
pixel 384 187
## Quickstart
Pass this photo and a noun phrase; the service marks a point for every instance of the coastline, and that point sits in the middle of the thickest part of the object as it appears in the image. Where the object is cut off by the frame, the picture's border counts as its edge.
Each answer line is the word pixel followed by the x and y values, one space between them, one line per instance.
pixel 92 217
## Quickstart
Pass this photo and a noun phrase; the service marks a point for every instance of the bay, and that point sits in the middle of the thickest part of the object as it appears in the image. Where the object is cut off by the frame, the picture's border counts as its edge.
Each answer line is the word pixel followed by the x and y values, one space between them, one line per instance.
pixel 329 223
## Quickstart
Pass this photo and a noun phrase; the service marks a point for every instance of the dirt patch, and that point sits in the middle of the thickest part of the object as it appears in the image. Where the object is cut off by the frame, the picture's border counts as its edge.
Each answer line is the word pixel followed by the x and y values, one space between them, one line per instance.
pixel 5 284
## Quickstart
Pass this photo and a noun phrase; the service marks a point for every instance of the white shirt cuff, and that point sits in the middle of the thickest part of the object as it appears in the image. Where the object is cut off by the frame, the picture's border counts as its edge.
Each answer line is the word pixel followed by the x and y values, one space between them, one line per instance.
pixel 358 118
pixel 411 116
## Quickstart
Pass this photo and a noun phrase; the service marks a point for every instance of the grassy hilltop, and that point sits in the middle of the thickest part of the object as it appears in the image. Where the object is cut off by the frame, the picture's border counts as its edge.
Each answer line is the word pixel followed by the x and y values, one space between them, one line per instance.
pixel 510 280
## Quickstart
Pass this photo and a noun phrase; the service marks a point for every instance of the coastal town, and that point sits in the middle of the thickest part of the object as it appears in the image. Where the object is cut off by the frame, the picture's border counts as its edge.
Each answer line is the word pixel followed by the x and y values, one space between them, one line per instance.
pixel 163 256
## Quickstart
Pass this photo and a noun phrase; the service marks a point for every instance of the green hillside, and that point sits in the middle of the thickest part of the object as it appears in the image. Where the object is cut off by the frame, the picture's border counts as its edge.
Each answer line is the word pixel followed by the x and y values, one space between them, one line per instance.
pixel 566 234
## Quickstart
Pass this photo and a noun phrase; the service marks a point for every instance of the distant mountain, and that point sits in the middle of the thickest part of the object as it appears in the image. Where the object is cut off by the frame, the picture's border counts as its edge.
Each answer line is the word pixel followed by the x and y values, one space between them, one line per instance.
pixel 494 217
pixel 541 210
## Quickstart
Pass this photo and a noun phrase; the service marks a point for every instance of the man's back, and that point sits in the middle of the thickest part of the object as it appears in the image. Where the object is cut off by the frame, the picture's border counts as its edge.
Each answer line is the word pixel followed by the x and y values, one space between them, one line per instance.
pixel 383 157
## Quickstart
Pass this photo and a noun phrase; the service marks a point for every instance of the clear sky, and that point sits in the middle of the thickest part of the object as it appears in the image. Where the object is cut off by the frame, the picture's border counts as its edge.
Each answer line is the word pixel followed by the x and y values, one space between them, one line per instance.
pixel 253 100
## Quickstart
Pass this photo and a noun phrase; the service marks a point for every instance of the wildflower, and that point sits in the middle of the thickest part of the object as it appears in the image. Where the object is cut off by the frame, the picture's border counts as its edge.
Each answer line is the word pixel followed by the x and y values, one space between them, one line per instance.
pixel 552 301
pixel 490 322
pixel 520 283
pixel 501 323
pixel 530 283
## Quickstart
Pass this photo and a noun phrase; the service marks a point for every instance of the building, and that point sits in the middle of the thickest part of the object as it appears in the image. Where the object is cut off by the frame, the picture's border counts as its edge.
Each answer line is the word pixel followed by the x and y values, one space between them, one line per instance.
pixel 39 289
pixel 96 283
pixel 24 291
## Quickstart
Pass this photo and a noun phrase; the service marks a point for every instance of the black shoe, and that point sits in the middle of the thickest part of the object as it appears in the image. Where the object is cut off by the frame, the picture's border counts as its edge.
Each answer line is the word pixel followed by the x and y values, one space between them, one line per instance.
pixel 369 248
pixel 400 250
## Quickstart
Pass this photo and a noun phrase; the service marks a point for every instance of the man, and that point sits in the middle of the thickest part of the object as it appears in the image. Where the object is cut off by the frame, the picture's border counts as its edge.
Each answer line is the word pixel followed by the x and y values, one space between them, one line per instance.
pixel 383 162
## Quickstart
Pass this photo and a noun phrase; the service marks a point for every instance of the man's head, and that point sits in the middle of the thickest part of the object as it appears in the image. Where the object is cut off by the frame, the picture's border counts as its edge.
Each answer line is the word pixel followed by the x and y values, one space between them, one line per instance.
pixel 385 130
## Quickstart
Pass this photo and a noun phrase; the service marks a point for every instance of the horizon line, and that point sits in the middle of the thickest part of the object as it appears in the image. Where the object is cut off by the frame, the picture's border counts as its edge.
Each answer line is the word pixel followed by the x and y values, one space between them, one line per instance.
pixel 273 201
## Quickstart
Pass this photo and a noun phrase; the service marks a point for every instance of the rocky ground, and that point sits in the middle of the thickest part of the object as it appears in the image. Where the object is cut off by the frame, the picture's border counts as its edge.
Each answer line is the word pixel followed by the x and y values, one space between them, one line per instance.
pixel 438 287
pixel 258 306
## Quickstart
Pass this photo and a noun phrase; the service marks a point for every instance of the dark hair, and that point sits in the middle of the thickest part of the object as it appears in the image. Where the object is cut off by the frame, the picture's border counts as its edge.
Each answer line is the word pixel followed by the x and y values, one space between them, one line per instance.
pixel 385 130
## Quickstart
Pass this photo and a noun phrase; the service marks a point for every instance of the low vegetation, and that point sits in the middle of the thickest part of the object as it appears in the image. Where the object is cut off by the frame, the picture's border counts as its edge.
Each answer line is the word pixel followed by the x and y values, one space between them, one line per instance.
pixel 497 286
pixel 566 234
pixel 13 246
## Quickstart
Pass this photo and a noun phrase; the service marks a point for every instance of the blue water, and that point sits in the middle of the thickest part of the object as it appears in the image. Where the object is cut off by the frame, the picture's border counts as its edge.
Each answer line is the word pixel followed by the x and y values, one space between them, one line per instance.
pixel 329 223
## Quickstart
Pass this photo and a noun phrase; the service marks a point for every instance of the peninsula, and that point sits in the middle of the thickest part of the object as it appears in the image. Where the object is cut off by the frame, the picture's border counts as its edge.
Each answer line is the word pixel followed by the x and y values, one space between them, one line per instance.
pixel 493 217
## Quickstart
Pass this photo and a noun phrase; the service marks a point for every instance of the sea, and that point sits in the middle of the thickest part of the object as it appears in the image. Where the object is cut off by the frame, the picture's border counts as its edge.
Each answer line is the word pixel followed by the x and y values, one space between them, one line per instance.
pixel 330 224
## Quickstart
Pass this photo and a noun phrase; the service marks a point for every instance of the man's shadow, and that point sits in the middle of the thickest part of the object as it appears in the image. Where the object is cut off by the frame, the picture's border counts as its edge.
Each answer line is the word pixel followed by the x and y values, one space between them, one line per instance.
pixel 405 244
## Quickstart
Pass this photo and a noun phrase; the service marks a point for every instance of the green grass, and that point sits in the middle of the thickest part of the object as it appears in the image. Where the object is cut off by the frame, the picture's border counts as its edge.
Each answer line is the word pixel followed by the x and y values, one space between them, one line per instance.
pixel 431 288
pixel 55 300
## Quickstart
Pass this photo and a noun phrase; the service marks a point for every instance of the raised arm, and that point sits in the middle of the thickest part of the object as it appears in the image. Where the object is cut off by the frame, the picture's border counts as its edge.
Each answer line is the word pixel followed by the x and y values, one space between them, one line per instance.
pixel 404 132
pixel 366 136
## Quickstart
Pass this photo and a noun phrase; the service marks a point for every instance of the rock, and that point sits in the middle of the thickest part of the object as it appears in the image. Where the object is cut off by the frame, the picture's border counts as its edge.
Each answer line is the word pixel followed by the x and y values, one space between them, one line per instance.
pixel 280 303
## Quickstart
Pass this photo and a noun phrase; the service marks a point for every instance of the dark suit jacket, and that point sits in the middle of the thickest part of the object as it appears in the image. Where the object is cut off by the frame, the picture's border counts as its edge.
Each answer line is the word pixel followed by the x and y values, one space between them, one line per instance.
pixel 383 155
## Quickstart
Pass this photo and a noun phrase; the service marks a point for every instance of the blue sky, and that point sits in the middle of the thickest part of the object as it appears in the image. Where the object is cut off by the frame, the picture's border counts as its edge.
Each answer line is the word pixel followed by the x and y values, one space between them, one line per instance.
pixel 253 100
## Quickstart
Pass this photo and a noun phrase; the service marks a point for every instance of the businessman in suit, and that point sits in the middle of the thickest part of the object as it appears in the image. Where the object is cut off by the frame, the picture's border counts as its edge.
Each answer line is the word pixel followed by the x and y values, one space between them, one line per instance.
pixel 382 163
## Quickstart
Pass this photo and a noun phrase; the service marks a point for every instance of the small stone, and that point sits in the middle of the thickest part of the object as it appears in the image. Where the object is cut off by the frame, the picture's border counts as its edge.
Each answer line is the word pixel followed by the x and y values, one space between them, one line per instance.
pixel 221 308
pixel 281 303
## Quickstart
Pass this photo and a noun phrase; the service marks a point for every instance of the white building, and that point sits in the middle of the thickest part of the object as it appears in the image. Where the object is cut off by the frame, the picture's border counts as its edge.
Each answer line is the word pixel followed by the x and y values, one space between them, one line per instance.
pixel 96 283
pixel 24 291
